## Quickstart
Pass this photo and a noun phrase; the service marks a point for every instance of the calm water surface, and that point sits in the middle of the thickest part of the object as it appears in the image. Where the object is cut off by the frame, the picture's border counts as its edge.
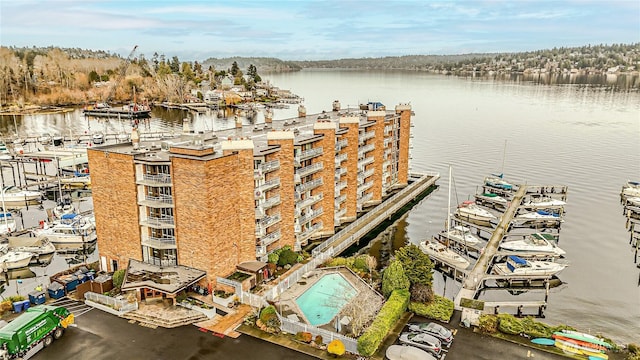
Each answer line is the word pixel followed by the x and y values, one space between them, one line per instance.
pixel 586 138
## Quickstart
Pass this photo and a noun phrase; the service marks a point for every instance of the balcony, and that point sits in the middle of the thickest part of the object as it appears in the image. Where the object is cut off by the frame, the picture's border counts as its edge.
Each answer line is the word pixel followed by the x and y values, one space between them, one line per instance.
pixel 306 234
pixel 270 238
pixel 364 187
pixel 339 186
pixel 387 141
pixel 365 174
pixel 261 251
pixel 366 136
pixel 341 144
pixel 309 185
pixel 340 214
pixel 311 214
pixel 167 242
pixel 309 201
pixel 308 154
pixel 155 180
pixel 365 149
pixel 365 198
pixel 161 222
pixel 339 200
pixel 308 170
pixel 340 158
pixel 271 202
pixel 265 222
pixel 269 166
pixel 161 201
pixel 364 162
pixel 268 185
pixel 339 172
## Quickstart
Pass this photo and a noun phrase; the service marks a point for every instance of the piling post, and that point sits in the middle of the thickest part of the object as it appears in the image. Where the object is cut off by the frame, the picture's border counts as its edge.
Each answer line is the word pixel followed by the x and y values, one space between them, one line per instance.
pixel 519 314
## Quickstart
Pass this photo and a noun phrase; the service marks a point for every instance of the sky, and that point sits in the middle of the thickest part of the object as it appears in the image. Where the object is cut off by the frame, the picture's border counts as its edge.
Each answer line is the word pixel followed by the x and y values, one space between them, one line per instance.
pixel 316 30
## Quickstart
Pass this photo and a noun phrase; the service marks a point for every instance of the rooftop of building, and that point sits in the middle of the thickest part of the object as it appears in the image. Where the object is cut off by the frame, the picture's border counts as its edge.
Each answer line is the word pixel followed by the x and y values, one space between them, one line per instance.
pixel 166 279
pixel 196 144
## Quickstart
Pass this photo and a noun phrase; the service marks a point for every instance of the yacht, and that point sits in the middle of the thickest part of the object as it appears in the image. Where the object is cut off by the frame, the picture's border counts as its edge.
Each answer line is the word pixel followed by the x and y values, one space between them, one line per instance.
pixel 516 265
pixel 13 195
pixel 441 252
pixel 538 217
pixel 10 260
pixel 71 231
pixel 538 243
pixel 462 235
pixel 543 202
pixel 472 212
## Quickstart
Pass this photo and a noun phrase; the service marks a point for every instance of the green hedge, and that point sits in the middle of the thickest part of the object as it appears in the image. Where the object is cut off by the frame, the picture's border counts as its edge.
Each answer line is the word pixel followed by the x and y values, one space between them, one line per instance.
pixel 509 324
pixel 391 311
pixel 440 308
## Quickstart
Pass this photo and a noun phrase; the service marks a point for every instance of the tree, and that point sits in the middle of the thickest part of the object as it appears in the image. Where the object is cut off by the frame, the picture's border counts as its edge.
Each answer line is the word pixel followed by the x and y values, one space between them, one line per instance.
pixel 118 278
pixel 416 264
pixel 394 278
pixel 361 310
pixel 175 65
pixel 234 68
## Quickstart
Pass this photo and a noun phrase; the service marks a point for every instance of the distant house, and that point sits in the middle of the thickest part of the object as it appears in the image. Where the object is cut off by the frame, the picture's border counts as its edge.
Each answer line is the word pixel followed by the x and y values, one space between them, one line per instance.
pixel 227 82
pixel 212 96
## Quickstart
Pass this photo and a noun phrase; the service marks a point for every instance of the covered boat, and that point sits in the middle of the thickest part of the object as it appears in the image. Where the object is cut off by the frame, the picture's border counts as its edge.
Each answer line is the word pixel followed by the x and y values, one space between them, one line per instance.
pixel 543 202
pixel 497 181
pixel 539 217
pixel 516 265
pixel 537 242
pixel 472 212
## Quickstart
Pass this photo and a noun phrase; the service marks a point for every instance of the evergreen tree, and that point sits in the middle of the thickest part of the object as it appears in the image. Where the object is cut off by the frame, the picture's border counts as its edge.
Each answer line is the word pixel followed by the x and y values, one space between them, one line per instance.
pixel 416 264
pixel 394 278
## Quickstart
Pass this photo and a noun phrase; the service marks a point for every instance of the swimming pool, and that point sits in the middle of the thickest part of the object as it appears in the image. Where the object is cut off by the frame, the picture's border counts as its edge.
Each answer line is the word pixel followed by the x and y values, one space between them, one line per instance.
pixel 324 300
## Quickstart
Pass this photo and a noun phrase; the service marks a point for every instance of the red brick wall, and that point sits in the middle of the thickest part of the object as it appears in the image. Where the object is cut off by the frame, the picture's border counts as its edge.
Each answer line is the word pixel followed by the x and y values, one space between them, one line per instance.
pixel 405 131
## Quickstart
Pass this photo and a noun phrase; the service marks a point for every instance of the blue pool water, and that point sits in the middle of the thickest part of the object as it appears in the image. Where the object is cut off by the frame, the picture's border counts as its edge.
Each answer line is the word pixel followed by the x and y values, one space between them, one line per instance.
pixel 322 301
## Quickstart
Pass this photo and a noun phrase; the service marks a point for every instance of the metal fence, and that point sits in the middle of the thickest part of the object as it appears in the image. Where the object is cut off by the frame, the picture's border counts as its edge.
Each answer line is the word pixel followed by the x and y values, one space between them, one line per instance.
pixel 119 305
pixel 292 327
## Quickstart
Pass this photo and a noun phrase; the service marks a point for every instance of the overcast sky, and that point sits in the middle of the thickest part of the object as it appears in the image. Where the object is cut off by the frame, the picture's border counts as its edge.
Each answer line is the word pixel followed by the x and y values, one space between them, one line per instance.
pixel 316 30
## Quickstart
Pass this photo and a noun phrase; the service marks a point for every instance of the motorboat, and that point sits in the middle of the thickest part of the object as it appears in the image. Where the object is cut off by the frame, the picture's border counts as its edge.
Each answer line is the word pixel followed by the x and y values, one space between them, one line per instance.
pixel 543 202
pixel 82 181
pixel 7 223
pixel 10 260
pixel 71 231
pixel 41 248
pixel 5 154
pixel 537 242
pixel 13 195
pixel 472 212
pixel 97 138
pixel 44 139
pixel 64 207
pixel 497 181
pixel 631 188
pixel 492 199
pixel 442 253
pixel 633 201
pixel 538 217
pixel 462 235
pixel 516 265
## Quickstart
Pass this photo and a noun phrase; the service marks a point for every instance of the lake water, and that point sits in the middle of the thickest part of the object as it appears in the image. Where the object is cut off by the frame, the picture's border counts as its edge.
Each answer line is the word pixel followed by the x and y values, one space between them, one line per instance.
pixel 583 137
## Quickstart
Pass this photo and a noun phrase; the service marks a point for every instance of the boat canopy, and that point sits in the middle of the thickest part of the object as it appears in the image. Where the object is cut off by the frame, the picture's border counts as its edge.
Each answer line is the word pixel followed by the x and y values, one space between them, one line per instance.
pixel 517 259
pixel 69 216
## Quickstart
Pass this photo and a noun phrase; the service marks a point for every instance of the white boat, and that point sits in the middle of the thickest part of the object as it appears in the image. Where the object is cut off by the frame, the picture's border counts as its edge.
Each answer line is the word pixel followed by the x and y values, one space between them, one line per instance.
pixel 516 265
pixel 537 242
pixel 10 260
pixel 83 181
pixel 633 201
pixel 441 252
pixel 472 212
pixel 5 154
pixel 543 202
pixel 539 217
pixel 14 195
pixel 497 181
pixel 492 199
pixel 44 139
pixel 71 231
pixel 64 207
pixel 631 188
pixel 462 235
pixel 41 248
pixel 97 138
pixel 7 223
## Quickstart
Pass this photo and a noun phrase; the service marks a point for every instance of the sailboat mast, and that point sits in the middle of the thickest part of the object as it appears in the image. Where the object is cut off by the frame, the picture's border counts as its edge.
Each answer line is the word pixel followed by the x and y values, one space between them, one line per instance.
pixel 504 156
pixel 449 203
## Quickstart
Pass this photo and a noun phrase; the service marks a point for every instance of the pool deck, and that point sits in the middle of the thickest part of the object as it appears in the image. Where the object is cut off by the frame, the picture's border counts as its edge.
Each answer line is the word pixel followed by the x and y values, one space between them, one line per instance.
pixel 287 305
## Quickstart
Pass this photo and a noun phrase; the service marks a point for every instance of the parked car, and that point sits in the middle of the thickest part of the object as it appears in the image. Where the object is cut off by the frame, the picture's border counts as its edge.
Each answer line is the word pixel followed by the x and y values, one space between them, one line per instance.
pixel 442 333
pixel 422 341
pixel 406 352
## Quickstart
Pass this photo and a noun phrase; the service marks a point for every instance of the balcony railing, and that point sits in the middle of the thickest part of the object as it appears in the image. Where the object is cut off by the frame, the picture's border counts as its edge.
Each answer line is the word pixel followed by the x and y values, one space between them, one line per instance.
pixel 340 144
pixel 308 154
pixel 340 158
pixel 309 201
pixel 270 166
pixel 366 136
pixel 162 198
pixel 167 242
pixel 268 185
pixel 365 198
pixel 365 149
pixel 339 186
pixel 271 202
pixel 339 200
pixel 312 214
pixel 340 213
pixel 387 141
pixel 364 162
pixel 365 174
pixel 306 234
pixel 364 187
pixel 308 170
pixel 270 238
pixel 309 185
pixel 266 222
pixel 158 222
pixel 157 178
pixel 261 251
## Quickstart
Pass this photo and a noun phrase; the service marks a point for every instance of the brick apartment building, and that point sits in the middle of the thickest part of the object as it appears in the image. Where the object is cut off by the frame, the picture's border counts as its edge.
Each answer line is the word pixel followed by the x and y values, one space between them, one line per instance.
pixel 213 201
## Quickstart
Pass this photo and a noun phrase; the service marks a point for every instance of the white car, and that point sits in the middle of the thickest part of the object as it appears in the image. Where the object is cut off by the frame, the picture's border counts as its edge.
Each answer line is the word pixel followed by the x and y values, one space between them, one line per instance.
pixel 405 352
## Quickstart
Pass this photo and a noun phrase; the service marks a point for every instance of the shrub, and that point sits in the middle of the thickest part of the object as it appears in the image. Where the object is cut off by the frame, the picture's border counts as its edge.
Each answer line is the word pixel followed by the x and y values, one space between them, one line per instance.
pixel 394 278
pixel 118 278
pixel 182 296
pixel 318 340
pixel 509 324
pixel 416 264
pixel 273 258
pixel 360 263
pixel 488 323
pixel 633 349
pixel 422 293
pixel 287 257
pixel 303 336
pixel 336 347
pixel 391 311
pixel 269 318
pixel 440 308
pixel 535 329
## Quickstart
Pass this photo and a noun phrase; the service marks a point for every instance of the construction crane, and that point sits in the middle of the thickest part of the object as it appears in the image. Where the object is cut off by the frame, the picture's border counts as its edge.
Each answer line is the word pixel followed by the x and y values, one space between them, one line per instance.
pixel 123 71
